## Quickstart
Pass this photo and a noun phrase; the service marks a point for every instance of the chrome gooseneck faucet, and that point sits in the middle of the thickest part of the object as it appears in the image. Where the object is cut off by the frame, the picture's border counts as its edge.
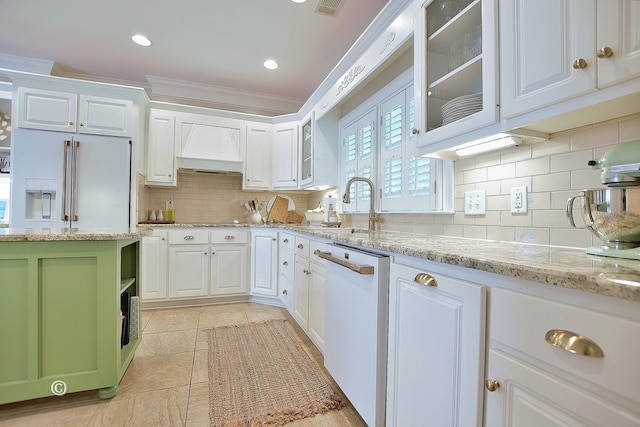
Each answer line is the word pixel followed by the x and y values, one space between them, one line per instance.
pixel 346 198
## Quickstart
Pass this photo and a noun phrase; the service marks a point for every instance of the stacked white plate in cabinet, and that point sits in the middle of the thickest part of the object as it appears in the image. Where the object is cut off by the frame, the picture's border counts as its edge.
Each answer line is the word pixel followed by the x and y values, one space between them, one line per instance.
pixel 461 107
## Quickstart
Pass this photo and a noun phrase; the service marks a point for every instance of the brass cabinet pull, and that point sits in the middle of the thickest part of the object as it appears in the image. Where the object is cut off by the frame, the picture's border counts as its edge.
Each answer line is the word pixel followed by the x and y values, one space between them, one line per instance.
pixel 426 280
pixel 492 385
pixel 573 343
pixel 579 64
pixel 229 237
pixel 189 237
pixel 604 52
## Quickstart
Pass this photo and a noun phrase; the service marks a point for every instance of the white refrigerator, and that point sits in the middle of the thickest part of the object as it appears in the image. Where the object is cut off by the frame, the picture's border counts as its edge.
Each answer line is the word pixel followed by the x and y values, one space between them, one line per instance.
pixel 69 180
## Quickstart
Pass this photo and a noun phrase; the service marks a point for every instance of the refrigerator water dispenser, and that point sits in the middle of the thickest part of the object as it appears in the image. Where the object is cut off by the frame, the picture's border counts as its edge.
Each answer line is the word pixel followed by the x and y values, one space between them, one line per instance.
pixel 40 198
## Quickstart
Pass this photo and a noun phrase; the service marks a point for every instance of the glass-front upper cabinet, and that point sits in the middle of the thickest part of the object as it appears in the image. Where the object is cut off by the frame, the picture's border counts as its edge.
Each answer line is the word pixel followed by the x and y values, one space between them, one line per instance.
pixel 306 151
pixel 456 71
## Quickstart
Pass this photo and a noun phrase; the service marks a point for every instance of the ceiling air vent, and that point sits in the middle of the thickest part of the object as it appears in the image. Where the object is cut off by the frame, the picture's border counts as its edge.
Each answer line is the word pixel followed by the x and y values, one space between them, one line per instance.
pixel 329 7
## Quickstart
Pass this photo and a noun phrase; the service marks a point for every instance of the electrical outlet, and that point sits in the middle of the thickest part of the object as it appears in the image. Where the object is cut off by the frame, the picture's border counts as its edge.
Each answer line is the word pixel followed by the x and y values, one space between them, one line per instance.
pixel 474 202
pixel 519 200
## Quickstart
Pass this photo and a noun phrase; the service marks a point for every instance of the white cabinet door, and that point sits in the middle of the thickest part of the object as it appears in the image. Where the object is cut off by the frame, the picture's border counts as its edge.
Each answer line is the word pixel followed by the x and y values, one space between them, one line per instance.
pixel 68 112
pixel 441 78
pixel 154 266
pixel 286 273
pixel 537 66
pixel 105 116
pixel 618 30
pixel 285 156
pixel 301 291
pixel 188 270
pixel 316 304
pixel 307 152
pixel 527 396
pixel 436 350
pixel 161 154
pixel 47 110
pixel 264 271
pixel 257 165
pixel 228 269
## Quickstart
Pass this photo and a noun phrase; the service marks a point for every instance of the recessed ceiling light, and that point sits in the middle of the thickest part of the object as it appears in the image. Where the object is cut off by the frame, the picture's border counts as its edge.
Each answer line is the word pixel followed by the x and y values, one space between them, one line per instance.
pixel 141 40
pixel 270 64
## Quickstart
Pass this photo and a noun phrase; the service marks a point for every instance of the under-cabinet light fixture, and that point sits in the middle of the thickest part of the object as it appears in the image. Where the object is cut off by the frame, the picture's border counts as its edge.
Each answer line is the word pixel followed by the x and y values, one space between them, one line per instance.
pixel 298 1
pixel 483 145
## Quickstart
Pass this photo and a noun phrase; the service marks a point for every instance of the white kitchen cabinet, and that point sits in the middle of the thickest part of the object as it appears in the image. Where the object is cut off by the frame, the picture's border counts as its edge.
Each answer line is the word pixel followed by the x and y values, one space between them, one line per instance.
pixel 154 266
pixel 161 150
pixel 586 45
pixel 306 153
pixel 286 269
pixel 209 137
pixel 188 270
pixel 228 263
pixel 285 156
pixel 455 55
pixel 70 112
pixel 264 256
pixel 318 154
pixel 436 348
pixel 309 289
pixel 537 373
pixel 257 165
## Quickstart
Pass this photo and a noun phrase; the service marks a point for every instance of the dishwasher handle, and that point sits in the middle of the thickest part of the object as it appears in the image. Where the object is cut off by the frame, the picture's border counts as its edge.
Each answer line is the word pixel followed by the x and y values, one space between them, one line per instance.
pixel 358 268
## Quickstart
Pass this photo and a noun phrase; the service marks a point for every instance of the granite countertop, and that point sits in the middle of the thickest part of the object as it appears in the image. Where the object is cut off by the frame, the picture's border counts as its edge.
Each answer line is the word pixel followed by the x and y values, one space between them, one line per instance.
pixel 566 267
pixel 61 234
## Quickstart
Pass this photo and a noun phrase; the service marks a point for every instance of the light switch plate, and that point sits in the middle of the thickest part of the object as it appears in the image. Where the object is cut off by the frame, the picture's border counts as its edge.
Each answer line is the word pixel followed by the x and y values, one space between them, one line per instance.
pixel 474 202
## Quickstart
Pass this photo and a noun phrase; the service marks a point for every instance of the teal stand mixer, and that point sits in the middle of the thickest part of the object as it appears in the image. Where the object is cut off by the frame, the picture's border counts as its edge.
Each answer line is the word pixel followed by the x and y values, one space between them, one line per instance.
pixel 613 213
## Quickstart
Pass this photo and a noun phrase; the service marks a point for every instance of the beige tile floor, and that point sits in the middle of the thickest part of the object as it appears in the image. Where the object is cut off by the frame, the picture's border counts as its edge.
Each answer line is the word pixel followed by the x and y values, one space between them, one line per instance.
pixel 167 382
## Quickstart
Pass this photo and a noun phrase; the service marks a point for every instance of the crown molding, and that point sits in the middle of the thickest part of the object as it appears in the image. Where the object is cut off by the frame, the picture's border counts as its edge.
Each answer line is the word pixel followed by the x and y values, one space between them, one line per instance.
pixel 219 97
pixel 31 65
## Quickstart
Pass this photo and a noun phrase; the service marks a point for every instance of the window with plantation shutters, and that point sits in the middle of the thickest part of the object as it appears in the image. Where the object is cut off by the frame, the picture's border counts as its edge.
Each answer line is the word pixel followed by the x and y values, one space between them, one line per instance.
pixel 357 158
pixel 404 182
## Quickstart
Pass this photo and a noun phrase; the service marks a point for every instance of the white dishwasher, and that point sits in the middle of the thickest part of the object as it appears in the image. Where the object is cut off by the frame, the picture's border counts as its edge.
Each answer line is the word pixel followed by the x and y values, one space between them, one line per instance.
pixel 356 322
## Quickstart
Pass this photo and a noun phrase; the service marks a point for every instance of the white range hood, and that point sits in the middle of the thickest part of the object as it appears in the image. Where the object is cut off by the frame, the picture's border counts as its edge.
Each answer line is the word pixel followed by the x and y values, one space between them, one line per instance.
pixel 191 164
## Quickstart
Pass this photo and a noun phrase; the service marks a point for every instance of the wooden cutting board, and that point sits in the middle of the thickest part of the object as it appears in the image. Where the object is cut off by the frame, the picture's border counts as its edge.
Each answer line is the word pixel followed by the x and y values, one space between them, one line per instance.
pixel 279 210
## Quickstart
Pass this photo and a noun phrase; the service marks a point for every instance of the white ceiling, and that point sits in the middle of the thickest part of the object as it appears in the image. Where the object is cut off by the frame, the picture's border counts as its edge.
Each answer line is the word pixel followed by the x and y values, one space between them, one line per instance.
pixel 210 43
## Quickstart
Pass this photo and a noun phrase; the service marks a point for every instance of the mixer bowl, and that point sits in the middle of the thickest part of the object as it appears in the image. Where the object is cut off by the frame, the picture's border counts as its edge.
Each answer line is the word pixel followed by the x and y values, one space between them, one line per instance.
pixel 612 214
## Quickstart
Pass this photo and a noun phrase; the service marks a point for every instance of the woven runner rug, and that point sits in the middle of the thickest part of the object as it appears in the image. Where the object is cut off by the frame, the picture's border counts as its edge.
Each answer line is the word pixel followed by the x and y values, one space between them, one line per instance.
pixel 260 375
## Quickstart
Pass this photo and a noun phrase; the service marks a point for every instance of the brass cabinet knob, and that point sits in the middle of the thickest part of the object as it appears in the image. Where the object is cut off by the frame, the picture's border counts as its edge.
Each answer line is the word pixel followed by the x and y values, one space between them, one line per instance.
pixel 426 280
pixel 316 252
pixel 492 385
pixel 604 52
pixel 285 292
pixel 300 246
pixel 229 237
pixel 285 263
pixel 189 237
pixel 285 241
pixel 415 131
pixel 579 64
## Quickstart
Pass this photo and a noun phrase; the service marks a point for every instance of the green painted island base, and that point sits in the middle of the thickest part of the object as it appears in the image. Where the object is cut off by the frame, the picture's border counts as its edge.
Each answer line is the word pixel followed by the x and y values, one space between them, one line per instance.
pixel 60 311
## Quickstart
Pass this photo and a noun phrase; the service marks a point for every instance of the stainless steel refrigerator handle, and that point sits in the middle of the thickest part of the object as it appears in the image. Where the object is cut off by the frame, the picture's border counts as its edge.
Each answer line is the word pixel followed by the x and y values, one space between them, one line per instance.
pixel 358 268
pixel 74 182
pixel 65 215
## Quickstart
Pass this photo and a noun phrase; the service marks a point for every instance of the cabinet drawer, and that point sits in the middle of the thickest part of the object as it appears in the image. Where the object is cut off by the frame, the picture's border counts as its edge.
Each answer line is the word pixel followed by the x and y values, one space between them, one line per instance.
pixel 229 236
pixel 317 246
pixel 302 246
pixel 521 322
pixel 286 240
pixel 188 237
pixel 286 264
